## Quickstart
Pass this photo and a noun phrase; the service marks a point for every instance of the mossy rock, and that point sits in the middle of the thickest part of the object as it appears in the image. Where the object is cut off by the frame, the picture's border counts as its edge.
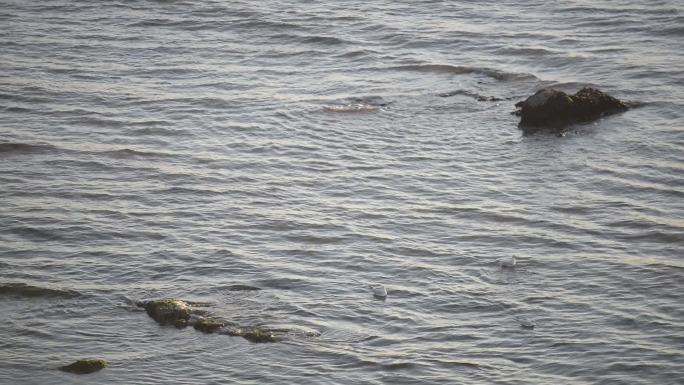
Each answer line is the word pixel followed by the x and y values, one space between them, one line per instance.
pixel 181 323
pixel 182 314
pixel 258 335
pixel 169 312
pixel 208 325
pixel 84 366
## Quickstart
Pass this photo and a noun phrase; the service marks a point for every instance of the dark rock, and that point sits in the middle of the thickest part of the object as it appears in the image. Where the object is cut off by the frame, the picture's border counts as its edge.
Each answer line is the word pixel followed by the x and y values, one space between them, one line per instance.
pixel 553 109
pixel 84 366
pixel 168 312
pixel 208 325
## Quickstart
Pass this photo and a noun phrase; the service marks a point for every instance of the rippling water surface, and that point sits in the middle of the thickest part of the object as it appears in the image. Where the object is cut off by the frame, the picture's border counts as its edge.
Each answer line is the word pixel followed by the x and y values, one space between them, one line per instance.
pixel 157 149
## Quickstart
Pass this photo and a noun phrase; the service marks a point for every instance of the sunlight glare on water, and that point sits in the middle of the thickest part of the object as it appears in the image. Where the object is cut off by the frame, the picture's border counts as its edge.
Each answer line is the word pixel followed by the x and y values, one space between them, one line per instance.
pixel 273 160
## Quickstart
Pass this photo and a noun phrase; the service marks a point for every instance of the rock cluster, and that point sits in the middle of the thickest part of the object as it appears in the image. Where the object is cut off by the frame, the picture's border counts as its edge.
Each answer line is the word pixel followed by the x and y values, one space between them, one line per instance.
pixel 181 314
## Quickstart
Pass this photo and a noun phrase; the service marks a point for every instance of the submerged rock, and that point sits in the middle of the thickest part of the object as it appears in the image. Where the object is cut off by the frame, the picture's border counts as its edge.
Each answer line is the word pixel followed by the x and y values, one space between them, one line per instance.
pixel 208 325
pixel 257 335
pixel 181 314
pixel 553 109
pixel 84 366
pixel 169 312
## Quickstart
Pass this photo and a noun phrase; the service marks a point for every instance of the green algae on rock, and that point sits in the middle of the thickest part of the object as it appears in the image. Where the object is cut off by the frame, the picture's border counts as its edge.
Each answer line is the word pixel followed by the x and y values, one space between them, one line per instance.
pixel 181 314
pixel 208 325
pixel 257 335
pixel 168 312
pixel 84 366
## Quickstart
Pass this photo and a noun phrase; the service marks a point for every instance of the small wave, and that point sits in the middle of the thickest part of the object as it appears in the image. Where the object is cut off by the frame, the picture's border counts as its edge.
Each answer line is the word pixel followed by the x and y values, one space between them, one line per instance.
pixel 472 94
pixel 464 70
pixel 149 23
pixel 127 153
pixel 33 232
pixel 62 70
pixel 28 96
pixel 190 191
pixel 186 24
pixel 656 235
pixel 24 290
pixel 314 239
pixel 99 122
pixel 24 148
pixel 158 131
pixel 525 51
pixel 397 366
pixel 327 40
pixel 284 283
pixel 267 25
pixel 568 86
pixel 359 104
pixel 465 364
pixel 15 109
pixel 352 108
pixel 170 70
pixel 594 10
pixel 355 53
pixel 676 31
pixel 372 100
pixel 242 288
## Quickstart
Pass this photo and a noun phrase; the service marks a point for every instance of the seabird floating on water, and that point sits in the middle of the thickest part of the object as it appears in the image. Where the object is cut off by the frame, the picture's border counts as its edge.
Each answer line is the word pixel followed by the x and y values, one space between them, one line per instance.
pixel 508 262
pixel 379 291
pixel 527 323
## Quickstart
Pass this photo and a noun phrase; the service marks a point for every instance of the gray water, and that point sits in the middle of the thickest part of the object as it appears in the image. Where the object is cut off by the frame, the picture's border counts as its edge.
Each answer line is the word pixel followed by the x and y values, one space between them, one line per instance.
pixel 157 149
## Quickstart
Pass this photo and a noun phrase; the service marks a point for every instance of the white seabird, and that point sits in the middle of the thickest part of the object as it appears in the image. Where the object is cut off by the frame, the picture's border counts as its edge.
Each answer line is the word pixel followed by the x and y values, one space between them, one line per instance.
pixel 527 323
pixel 379 291
pixel 508 262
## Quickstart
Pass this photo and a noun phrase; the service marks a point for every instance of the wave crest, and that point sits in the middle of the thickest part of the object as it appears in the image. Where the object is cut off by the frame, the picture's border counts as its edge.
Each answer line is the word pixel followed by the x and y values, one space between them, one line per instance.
pixel 24 290
pixel 464 70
